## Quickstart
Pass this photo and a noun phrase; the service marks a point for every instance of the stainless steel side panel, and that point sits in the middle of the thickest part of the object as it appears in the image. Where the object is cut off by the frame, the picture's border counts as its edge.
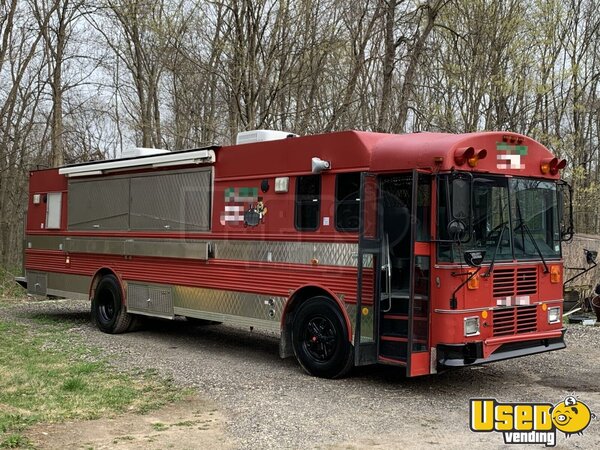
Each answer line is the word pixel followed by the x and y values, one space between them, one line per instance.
pixel 40 242
pixel 58 284
pixel 37 283
pixel 327 253
pixel 103 246
pixel 153 300
pixel 367 323
pixel 229 306
pixel 168 249
pixel 139 247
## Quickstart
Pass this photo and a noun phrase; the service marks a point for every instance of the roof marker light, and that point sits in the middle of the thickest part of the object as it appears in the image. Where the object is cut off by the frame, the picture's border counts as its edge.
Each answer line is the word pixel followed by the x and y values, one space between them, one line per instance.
pixel 481 154
pixel 552 165
pixel 462 155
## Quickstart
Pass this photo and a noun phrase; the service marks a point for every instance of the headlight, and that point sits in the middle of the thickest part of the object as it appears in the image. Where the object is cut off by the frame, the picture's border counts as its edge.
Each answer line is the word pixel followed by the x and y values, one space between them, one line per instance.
pixel 471 326
pixel 554 314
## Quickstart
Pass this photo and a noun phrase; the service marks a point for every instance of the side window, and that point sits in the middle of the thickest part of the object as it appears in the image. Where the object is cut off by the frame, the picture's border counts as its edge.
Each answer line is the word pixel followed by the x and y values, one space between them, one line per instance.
pixel 53 210
pixel 347 201
pixel 308 202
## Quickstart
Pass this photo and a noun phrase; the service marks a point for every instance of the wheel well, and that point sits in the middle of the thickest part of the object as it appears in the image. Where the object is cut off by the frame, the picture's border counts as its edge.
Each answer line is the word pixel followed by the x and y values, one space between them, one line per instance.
pixel 98 276
pixel 292 305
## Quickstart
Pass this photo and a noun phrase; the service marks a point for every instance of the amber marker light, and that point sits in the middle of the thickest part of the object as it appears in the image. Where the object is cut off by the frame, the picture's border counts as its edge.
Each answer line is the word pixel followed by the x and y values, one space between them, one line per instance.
pixel 462 155
pixel 473 282
pixel 481 154
pixel 555 274
pixel 544 307
pixel 484 314
pixel 552 165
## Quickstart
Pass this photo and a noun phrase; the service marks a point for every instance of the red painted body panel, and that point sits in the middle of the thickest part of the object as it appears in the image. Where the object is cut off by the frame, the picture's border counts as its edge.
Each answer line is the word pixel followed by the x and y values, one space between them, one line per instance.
pixel 256 277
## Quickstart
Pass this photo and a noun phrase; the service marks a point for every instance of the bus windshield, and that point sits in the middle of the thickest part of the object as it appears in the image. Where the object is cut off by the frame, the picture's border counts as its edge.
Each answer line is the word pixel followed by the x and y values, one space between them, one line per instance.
pixel 512 219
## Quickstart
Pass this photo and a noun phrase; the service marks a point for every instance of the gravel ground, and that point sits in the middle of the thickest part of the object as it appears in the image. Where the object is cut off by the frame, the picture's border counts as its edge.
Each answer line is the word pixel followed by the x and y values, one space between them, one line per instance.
pixel 270 403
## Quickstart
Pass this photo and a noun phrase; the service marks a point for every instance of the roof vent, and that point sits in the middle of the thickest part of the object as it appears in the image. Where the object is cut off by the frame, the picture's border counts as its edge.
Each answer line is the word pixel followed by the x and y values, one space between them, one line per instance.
pixel 248 137
pixel 141 151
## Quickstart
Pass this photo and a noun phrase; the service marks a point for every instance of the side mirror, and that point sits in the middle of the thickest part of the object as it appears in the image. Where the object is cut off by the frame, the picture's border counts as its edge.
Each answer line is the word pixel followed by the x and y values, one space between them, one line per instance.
pixel 460 211
pixel 461 198
pixel 565 210
pixel 590 256
pixel 474 258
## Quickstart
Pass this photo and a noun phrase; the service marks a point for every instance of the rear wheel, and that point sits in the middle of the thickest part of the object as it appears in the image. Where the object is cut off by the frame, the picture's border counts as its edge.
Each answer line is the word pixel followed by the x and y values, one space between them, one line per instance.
pixel 108 311
pixel 320 339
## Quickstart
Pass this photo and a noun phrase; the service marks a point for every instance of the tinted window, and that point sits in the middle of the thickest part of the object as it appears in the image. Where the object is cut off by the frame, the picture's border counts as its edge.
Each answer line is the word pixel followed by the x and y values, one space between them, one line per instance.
pixel 347 201
pixel 308 202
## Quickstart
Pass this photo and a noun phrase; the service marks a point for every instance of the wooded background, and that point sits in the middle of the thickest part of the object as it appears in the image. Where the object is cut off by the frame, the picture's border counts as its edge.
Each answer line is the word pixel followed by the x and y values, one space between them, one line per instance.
pixel 82 80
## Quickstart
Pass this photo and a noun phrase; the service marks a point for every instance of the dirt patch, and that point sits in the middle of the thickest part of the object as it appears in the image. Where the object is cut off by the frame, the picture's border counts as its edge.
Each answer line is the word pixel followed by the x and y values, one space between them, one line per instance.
pixel 189 424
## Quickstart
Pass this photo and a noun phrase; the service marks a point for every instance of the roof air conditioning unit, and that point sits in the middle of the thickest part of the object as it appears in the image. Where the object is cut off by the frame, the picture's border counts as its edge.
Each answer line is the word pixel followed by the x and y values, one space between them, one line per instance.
pixel 248 137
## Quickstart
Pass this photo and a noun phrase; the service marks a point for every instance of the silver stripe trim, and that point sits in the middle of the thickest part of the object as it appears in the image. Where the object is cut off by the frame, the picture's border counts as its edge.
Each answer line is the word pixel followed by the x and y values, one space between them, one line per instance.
pixel 462 311
pixel 490 308
pixel 326 253
pixel 230 319
pixel 68 294
pixel 499 264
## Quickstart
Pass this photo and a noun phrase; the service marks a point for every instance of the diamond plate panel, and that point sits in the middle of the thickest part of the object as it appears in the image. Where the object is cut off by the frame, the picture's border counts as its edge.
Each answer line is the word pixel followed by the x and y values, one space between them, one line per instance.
pixel 328 254
pixel 230 303
pixel 366 322
pixel 150 299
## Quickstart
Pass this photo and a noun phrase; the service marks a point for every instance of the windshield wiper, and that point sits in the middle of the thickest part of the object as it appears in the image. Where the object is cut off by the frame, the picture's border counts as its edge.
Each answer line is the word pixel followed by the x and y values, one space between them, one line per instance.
pixel 489 271
pixel 525 228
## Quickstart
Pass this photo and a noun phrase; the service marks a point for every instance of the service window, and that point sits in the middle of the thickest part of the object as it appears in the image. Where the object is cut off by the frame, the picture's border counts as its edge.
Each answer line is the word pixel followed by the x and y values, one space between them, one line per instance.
pixel 53 210
pixel 347 201
pixel 308 202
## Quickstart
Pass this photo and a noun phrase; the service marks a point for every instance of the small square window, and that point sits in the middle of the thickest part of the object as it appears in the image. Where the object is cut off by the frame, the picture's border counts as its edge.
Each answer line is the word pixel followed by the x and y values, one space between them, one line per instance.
pixel 308 202
pixel 347 201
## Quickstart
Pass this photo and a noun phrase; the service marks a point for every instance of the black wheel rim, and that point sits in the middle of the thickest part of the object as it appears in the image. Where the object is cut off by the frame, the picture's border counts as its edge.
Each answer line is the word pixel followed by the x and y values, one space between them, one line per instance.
pixel 106 306
pixel 320 338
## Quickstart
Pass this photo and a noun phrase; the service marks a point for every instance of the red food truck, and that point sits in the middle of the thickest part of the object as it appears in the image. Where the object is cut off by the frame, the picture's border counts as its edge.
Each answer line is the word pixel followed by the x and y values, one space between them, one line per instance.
pixel 425 251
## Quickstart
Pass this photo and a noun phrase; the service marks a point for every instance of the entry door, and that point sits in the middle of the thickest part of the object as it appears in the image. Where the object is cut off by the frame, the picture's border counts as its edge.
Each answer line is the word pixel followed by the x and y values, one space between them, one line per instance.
pixel 369 272
pixel 394 267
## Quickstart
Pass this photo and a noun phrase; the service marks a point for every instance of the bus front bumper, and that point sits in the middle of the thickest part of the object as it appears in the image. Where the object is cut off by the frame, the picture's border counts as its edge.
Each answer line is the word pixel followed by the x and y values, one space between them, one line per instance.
pixel 460 355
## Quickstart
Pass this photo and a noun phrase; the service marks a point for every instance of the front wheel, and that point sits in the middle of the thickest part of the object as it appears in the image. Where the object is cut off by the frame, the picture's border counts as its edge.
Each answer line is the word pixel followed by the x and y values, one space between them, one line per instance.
pixel 108 311
pixel 320 339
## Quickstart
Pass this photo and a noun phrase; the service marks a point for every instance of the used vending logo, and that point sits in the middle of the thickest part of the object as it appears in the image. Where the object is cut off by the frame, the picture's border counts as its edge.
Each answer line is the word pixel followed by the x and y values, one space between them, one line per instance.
pixel 530 423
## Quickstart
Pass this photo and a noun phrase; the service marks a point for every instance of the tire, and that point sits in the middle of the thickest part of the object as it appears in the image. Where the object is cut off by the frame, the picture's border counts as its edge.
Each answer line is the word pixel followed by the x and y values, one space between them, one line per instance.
pixel 108 311
pixel 320 339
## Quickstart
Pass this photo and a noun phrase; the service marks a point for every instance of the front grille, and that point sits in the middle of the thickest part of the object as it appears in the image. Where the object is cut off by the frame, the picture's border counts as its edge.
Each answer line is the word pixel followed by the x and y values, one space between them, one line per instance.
pixel 504 282
pixel 526 281
pixel 509 282
pixel 514 320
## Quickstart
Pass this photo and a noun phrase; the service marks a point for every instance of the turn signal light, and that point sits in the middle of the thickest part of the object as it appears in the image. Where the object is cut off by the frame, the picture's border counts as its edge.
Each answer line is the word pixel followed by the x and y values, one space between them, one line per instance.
pixel 552 165
pixel 481 154
pixel 555 274
pixel 473 282
pixel 462 155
